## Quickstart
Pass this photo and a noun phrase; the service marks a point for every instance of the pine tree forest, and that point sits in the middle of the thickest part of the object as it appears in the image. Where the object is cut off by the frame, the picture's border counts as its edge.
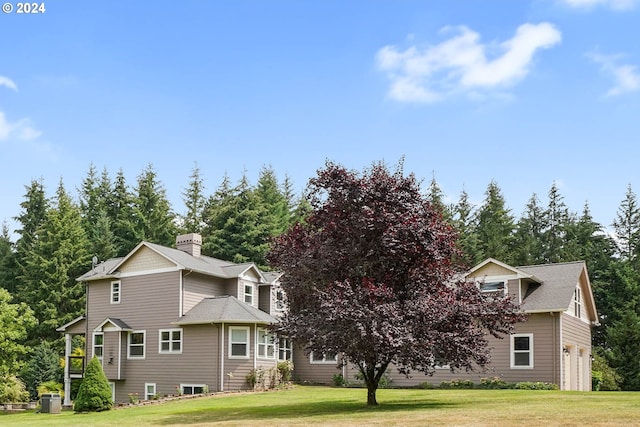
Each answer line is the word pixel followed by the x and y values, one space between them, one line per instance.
pixel 59 232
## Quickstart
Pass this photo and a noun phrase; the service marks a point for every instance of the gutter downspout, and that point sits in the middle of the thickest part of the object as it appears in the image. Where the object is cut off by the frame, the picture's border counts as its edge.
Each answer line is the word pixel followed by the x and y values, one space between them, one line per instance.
pixel 222 352
pixel 561 349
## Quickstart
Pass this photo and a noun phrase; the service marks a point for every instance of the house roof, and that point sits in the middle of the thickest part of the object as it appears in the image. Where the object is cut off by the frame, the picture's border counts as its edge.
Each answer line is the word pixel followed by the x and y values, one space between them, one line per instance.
pixel 224 309
pixel 117 324
pixel 558 285
pixel 184 261
pixel 77 321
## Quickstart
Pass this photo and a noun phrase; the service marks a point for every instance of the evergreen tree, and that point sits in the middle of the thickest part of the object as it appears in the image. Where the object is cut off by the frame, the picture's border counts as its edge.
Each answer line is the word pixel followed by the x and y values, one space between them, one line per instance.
pixel 7 261
pixel 152 217
pixel 95 195
pixel 94 394
pixel 627 226
pixel 34 209
pixel 436 197
pixel 276 215
pixel 120 213
pixel 494 227
pixel 557 223
pixel 59 255
pixel 528 238
pixel 194 200
pixel 624 339
pixel 463 222
pixel 43 365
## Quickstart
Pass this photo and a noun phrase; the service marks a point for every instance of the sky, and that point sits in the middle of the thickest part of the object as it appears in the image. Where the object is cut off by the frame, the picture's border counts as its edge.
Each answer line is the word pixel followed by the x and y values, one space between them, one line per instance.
pixel 525 93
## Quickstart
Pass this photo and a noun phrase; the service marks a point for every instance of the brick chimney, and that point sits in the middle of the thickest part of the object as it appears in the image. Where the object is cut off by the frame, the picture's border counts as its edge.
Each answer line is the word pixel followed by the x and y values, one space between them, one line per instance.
pixel 190 243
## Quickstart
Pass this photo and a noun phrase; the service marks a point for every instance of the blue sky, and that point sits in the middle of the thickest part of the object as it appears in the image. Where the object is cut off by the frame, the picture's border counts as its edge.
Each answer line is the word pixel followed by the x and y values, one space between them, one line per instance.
pixel 525 93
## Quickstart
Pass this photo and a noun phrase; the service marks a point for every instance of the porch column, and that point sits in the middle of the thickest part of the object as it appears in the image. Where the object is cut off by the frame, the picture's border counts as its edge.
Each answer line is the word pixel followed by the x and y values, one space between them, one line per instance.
pixel 67 375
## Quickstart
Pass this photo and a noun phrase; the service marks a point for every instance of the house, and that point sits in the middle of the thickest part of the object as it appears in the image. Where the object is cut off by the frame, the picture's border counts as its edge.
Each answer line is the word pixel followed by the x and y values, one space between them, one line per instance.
pixel 167 321
pixel 164 320
pixel 553 345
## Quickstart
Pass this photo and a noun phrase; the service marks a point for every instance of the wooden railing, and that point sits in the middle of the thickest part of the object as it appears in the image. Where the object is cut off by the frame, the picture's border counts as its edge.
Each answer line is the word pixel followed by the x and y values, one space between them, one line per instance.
pixel 76 364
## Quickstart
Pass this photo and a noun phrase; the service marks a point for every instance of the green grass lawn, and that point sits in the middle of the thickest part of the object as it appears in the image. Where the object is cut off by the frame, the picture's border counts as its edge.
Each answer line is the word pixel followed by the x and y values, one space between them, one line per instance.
pixel 305 405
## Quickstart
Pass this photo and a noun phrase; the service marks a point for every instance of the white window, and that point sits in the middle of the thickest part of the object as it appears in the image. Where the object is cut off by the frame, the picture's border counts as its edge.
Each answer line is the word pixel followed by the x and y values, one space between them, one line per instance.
pixel 98 344
pixel 112 387
pixel 149 391
pixel 323 358
pixel 285 349
pixel 193 388
pixel 238 342
pixel 136 345
pixel 280 300
pixel 115 292
pixel 266 344
pixel 577 303
pixel 493 287
pixel 521 351
pixel 248 294
pixel 170 341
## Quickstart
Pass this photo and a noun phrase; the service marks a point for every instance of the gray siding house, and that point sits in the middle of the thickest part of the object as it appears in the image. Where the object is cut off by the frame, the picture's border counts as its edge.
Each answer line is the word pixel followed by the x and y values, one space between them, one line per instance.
pixel 553 345
pixel 167 321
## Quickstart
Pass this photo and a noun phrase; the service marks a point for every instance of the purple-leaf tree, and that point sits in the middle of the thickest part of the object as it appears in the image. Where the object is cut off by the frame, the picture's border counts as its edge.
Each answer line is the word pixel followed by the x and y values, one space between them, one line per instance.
pixel 369 275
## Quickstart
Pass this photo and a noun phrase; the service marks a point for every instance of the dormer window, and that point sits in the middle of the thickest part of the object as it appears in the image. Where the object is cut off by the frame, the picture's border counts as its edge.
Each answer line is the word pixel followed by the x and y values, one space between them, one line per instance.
pixel 279 300
pixel 492 287
pixel 248 294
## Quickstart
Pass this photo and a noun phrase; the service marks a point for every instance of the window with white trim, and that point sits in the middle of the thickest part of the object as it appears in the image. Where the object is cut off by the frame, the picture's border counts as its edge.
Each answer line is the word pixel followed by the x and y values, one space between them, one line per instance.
pixel 521 351
pixel 496 287
pixel 193 388
pixel 285 349
pixel 323 358
pixel 266 344
pixel 577 303
pixel 115 292
pixel 135 344
pixel 149 391
pixel 280 300
pixel 238 342
pixel 248 294
pixel 98 344
pixel 170 341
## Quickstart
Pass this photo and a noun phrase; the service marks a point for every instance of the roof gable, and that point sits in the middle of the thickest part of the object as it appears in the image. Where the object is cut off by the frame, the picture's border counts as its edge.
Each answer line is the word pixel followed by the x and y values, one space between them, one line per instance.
pixel 112 324
pixel 492 268
pixel 144 257
pixel 224 309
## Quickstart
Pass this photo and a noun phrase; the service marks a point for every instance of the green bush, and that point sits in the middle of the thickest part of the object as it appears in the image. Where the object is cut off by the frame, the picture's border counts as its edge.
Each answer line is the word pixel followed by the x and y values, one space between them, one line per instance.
pixel 94 394
pixel 43 366
pixel 535 385
pixel 286 370
pixel 339 381
pixel 51 387
pixel 493 383
pixel 603 377
pixel 12 389
pixel 426 386
pixel 457 384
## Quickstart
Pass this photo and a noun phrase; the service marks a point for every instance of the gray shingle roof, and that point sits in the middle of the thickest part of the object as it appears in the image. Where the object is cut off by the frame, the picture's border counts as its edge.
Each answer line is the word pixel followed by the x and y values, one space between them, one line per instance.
pixel 224 309
pixel 201 264
pixel 558 284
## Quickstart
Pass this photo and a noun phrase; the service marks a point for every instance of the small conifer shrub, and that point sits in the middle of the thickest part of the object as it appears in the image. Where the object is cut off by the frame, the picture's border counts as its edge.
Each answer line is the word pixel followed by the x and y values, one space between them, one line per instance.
pixel 94 394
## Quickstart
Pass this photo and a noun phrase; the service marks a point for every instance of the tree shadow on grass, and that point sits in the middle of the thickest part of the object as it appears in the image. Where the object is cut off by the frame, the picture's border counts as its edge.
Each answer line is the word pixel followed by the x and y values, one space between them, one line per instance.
pixel 298 412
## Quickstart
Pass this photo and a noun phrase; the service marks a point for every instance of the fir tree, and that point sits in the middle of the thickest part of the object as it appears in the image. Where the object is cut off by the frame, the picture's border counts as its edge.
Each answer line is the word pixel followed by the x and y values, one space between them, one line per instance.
pixel 557 223
pixel 94 394
pixel 463 222
pixel 8 265
pixel 627 226
pixel 59 255
pixel 120 213
pixel 494 227
pixel 194 200
pixel 528 238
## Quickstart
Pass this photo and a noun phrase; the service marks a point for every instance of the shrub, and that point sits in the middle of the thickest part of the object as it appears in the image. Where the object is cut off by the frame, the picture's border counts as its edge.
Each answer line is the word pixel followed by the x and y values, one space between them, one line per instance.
pixel 426 386
pixel 535 385
pixel 339 381
pixel 51 387
pixel 457 384
pixel 286 369
pixel 12 389
pixel 95 393
pixel 256 378
pixel 604 377
pixel 493 383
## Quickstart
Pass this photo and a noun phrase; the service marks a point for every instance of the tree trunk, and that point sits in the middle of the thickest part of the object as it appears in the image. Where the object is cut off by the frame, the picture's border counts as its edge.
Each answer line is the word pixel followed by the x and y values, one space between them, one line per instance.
pixel 371 394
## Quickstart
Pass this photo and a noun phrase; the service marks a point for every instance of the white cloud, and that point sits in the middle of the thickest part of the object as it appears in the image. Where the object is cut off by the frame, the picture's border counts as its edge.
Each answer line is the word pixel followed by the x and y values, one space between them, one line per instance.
pixel 5 81
pixel 625 76
pixel 590 4
pixel 21 130
pixel 461 63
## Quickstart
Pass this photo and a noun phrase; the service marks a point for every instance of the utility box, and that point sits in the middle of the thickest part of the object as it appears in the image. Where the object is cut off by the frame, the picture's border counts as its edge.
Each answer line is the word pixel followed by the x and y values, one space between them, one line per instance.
pixel 51 403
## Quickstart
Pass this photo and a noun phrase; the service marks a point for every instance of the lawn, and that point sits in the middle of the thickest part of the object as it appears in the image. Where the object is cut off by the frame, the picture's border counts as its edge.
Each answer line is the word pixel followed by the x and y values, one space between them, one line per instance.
pixel 306 405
